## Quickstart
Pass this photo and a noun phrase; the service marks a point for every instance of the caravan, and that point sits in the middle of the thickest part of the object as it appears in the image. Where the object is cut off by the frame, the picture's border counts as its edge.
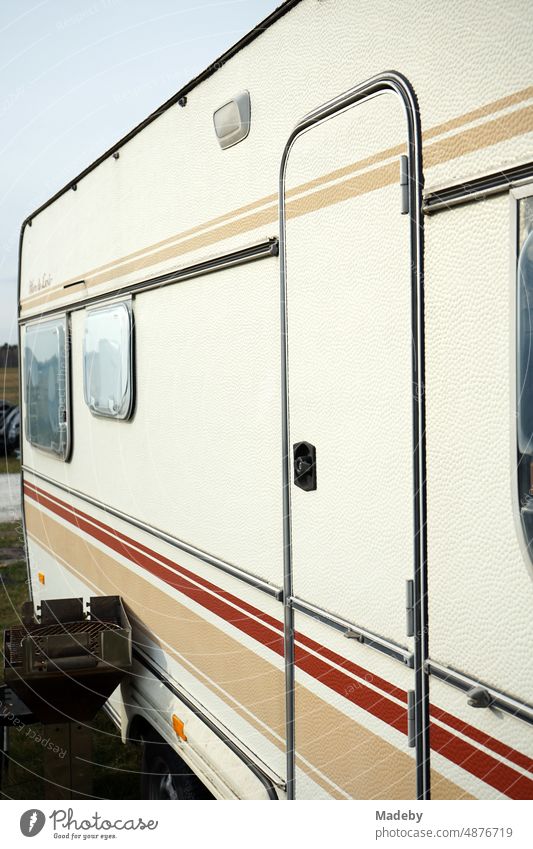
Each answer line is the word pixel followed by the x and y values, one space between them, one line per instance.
pixel 277 397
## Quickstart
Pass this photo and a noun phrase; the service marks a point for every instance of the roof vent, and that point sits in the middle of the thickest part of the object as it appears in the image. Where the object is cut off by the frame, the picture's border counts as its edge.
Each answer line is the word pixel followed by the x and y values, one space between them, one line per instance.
pixel 232 120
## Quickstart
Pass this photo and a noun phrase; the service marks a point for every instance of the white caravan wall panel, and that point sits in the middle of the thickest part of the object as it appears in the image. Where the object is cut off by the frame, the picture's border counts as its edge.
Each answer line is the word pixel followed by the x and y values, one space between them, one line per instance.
pixel 201 457
pixel 480 589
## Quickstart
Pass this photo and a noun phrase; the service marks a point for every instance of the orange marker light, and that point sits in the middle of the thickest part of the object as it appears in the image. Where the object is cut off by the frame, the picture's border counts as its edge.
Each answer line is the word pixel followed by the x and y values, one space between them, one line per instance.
pixel 179 727
pixel 40 575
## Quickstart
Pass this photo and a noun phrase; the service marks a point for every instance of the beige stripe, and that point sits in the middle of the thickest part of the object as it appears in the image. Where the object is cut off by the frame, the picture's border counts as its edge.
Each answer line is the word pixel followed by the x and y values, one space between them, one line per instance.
pixel 492 132
pixel 244 675
pixel 329 740
pixel 438 129
pixel 443 788
pixel 367 182
pixel 364 765
pixel 452 147
pixel 227 231
pixel 480 112
pixel 115 264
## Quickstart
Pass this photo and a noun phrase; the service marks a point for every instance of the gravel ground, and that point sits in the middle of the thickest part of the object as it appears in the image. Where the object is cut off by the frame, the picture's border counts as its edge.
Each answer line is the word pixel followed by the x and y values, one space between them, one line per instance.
pixel 9 498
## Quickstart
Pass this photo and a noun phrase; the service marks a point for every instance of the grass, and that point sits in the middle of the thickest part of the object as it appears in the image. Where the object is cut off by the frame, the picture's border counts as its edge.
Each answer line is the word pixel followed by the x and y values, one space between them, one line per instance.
pixel 116 770
pixel 9 385
pixel 9 465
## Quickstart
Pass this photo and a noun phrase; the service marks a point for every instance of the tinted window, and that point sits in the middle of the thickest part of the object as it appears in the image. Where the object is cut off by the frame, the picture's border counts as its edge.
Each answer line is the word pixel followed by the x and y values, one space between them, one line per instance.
pixel 525 328
pixel 108 384
pixel 46 386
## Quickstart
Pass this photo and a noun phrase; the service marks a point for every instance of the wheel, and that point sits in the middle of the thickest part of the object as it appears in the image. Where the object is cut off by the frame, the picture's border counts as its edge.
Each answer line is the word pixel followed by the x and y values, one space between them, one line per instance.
pixel 166 776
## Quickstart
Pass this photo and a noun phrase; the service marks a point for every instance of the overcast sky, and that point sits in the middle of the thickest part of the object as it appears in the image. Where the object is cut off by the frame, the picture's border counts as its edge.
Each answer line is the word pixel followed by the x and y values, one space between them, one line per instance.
pixel 76 75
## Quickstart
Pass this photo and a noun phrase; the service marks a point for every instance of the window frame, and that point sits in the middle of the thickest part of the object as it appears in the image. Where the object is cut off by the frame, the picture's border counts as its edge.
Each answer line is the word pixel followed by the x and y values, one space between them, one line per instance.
pixel 516 195
pixel 66 454
pixel 102 307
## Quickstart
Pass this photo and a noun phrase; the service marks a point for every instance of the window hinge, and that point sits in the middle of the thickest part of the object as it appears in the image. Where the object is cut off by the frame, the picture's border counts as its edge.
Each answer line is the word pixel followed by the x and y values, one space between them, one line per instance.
pixel 404 185
pixel 410 608
pixel 411 726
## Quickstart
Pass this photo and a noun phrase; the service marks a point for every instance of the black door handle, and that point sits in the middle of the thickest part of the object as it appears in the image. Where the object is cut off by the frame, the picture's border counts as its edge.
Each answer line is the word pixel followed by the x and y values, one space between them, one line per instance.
pixel 304 462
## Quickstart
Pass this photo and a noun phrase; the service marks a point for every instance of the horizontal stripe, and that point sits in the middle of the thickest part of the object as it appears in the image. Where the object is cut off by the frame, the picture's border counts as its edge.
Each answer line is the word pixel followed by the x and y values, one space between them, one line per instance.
pixel 171 576
pixel 228 225
pixel 351 667
pixel 362 696
pixel 242 678
pixel 483 111
pixel 482 765
pixel 461 752
pixel 249 684
pixel 484 739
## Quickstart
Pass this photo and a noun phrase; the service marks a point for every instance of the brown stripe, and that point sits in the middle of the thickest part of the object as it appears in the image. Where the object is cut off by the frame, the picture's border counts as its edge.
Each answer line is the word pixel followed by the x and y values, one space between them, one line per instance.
pixel 367 182
pixel 359 185
pixel 249 679
pixel 227 231
pixel 492 132
pixel 246 677
pixel 443 788
pixel 364 765
pixel 452 150
pixel 172 239
pixel 475 114
pixel 480 112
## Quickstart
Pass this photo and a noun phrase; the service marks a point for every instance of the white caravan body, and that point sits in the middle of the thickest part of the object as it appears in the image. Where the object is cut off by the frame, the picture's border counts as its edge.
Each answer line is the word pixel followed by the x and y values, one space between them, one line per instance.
pixel 279 370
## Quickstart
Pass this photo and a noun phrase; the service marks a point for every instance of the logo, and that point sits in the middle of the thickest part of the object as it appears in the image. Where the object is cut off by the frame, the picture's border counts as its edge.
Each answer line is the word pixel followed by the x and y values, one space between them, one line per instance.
pixel 32 822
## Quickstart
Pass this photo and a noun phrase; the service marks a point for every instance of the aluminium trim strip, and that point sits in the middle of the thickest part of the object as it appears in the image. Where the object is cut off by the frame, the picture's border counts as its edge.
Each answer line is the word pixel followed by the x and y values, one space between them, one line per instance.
pixel 477 189
pixel 219 263
pixel 361 635
pixel 518 709
pixel 234 571
pixel 267 781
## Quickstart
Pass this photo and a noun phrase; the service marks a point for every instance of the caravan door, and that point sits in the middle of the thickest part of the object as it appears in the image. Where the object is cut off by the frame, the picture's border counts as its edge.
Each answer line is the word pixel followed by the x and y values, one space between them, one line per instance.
pixel 348 260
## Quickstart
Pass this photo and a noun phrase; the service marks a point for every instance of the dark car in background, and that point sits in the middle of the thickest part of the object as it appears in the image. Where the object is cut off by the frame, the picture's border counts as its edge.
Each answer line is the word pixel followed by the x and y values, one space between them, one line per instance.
pixel 9 429
pixel 13 432
pixel 5 408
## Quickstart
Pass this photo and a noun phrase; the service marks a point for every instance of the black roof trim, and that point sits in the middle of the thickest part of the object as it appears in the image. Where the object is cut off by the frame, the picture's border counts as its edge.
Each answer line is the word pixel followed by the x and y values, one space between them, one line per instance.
pixel 211 69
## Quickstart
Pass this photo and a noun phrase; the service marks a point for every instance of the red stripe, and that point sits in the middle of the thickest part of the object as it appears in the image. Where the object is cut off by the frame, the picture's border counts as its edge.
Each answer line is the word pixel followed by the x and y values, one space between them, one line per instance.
pixel 386 686
pixel 482 738
pixel 327 653
pixel 207 584
pixel 461 752
pixel 478 763
pixel 235 617
pixel 354 691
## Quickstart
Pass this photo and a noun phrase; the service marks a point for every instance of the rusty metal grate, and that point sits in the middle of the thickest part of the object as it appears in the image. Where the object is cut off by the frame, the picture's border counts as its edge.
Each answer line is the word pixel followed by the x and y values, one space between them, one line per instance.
pixel 39 633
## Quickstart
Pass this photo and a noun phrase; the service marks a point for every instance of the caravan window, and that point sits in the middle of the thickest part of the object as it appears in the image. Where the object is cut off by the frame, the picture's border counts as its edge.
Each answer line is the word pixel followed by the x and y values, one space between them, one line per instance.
pixel 524 365
pixel 46 386
pixel 107 356
pixel 525 326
